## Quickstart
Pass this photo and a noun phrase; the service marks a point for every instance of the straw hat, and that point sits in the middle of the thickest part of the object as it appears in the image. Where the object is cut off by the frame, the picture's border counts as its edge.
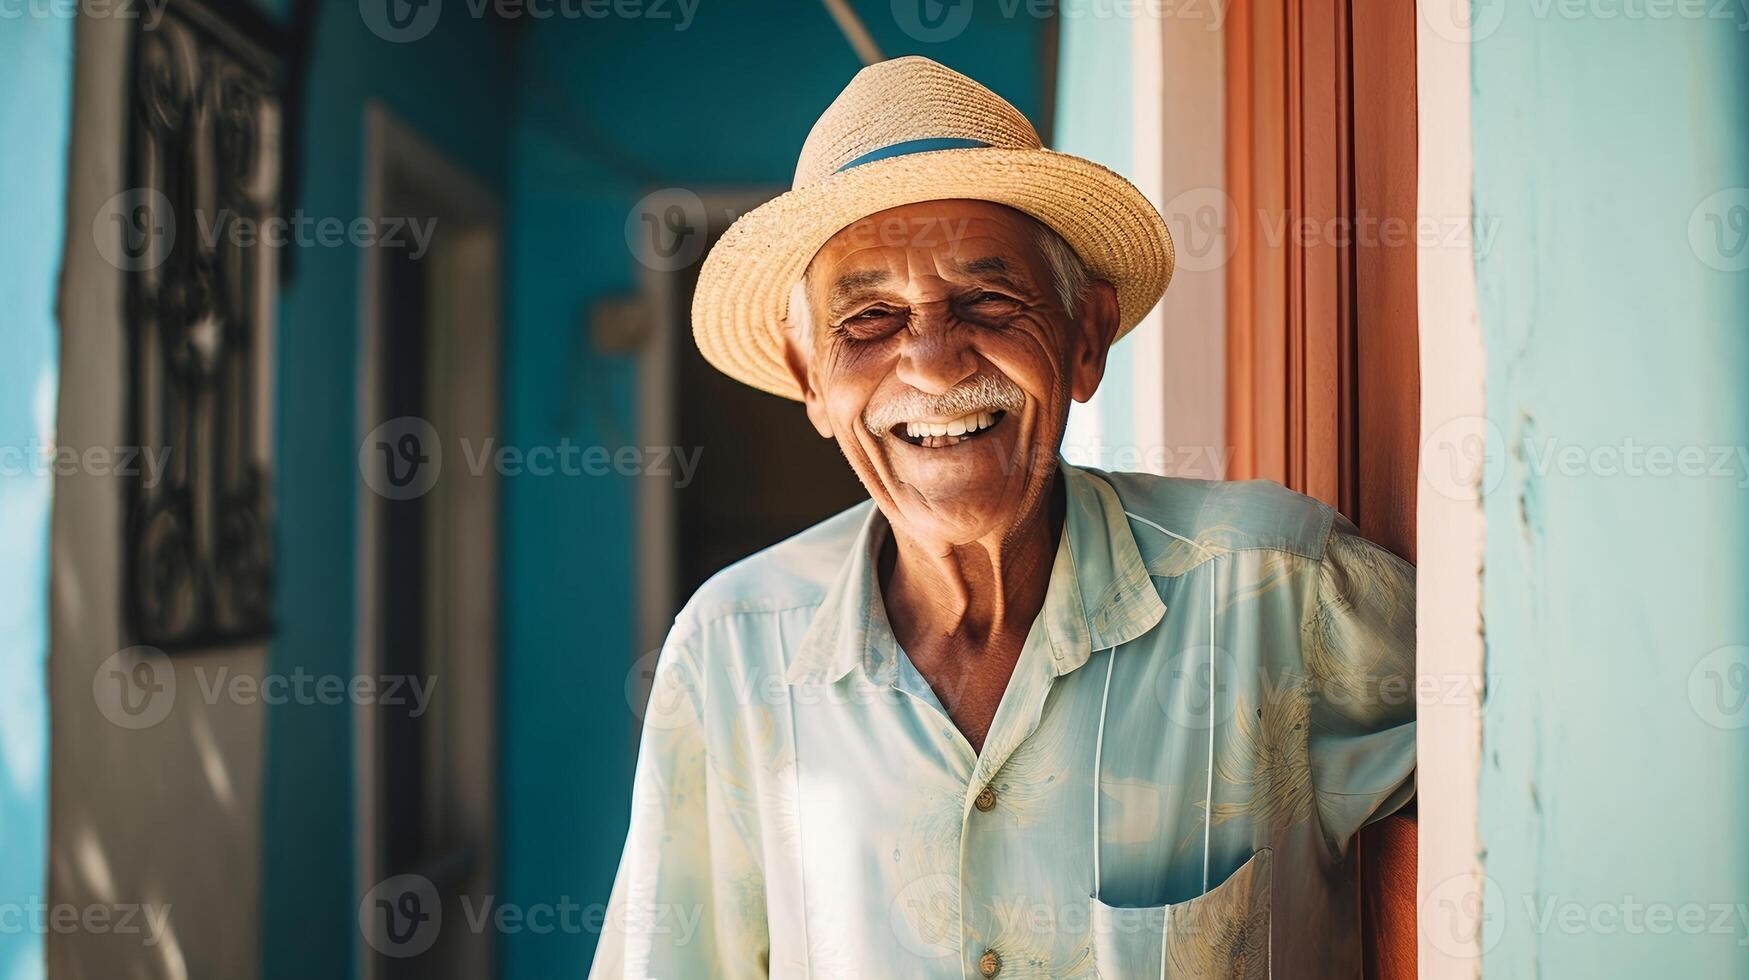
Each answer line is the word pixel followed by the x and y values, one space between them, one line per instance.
pixel 902 132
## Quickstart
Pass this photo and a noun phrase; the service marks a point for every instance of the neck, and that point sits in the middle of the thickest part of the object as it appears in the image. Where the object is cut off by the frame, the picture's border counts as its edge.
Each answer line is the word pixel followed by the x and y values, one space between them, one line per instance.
pixel 985 592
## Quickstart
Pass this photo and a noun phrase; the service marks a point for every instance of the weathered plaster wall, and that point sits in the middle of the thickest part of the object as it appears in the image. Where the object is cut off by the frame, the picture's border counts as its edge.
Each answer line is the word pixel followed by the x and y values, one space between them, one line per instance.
pixel 156 789
pixel 1611 160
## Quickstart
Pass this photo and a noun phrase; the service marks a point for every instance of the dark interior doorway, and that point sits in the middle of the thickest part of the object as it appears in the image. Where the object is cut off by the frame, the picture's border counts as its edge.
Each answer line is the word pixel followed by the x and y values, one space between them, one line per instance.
pixel 764 473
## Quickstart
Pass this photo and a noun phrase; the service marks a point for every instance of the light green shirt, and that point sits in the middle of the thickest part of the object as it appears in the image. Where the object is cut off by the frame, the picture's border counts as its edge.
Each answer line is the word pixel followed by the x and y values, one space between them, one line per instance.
pixel 805 807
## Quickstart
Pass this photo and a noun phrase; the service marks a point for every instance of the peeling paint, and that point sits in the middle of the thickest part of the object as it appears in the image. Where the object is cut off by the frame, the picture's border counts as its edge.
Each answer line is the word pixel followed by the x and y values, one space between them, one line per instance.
pixel 1606 327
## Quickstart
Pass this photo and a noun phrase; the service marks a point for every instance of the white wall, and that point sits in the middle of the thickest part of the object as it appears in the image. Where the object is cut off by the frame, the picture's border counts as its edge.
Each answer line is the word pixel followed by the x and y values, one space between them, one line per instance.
pixel 166 816
pixel 1140 90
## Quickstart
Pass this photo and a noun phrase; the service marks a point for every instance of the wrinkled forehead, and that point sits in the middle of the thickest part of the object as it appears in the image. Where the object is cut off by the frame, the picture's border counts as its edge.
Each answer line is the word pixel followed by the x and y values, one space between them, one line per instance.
pixel 949 239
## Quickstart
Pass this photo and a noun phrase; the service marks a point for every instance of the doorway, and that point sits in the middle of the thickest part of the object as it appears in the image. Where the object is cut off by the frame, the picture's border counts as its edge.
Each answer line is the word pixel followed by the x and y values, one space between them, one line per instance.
pixel 428 537
pixel 762 472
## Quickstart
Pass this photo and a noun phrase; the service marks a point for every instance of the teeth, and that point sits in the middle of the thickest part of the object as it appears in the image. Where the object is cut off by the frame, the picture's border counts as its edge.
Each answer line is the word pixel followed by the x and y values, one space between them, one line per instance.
pixel 964 425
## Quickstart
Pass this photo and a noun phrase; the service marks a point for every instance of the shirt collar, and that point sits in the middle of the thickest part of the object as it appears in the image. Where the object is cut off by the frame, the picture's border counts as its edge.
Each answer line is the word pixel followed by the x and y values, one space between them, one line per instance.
pixel 1099 595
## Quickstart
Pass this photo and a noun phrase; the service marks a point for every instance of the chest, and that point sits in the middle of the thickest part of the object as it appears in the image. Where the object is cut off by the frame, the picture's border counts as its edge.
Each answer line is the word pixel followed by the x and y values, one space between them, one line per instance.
pixel 969 681
pixel 892 767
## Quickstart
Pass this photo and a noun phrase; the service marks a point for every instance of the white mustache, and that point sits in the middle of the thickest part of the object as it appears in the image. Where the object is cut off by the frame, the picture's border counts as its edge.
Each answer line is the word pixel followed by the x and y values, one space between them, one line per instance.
pixel 984 393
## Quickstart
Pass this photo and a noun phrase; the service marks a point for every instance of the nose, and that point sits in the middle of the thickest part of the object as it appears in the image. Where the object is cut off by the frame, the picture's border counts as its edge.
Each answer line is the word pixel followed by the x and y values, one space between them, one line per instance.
pixel 936 357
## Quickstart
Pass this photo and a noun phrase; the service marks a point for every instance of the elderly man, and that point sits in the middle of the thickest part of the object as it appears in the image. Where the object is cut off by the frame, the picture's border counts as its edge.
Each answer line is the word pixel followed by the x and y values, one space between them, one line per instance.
pixel 1011 717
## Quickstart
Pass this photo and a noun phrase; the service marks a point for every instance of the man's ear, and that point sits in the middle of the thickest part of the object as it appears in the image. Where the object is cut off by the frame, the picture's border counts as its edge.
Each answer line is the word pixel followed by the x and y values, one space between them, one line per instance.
pixel 1095 330
pixel 800 363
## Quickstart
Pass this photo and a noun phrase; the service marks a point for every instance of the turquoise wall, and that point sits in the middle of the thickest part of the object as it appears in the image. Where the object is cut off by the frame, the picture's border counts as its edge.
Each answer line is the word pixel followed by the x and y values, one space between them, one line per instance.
pixel 1613 789
pixel 36 82
pixel 608 111
pixel 451 85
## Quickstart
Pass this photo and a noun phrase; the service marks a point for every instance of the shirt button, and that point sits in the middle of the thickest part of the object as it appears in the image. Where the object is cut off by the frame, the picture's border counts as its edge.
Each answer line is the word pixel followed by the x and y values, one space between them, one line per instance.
pixel 986 802
pixel 990 963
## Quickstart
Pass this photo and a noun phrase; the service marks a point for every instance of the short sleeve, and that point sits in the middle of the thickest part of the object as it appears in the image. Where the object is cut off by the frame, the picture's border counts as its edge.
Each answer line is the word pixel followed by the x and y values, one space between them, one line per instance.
pixel 689 897
pixel 1358 641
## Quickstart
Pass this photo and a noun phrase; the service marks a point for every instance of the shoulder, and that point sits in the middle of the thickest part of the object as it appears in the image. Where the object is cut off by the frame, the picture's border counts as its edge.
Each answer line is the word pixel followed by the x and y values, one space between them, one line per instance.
pixel 1220 517
pixel 795 573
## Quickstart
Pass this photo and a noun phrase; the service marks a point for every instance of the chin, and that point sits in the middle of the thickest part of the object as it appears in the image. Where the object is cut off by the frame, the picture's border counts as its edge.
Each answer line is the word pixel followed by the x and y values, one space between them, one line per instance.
pixel 952 521
pixel 959 489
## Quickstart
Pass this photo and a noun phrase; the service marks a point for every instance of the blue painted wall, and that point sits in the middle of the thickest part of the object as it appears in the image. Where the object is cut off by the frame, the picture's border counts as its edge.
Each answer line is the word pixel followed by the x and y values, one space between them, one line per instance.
pixel 608 111
pixel 1615 748
pixel 451 85
pixel 36 82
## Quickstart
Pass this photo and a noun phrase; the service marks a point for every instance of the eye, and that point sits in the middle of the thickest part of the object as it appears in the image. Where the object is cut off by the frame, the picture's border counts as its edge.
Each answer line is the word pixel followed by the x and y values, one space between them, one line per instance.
pixel 988 305
pixel 989 299
pixel 869 324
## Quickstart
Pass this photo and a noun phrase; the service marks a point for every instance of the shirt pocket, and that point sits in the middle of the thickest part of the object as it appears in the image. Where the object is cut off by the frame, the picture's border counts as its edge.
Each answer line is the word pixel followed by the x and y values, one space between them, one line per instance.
pixel 1221 935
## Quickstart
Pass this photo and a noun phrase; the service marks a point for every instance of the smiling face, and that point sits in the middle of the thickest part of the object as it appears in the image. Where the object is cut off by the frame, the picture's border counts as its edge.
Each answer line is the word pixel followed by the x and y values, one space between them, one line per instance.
pixel 941 354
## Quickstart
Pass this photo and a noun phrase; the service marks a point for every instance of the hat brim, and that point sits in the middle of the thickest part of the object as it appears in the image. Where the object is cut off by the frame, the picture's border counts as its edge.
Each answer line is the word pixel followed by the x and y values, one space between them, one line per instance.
pixel 743 290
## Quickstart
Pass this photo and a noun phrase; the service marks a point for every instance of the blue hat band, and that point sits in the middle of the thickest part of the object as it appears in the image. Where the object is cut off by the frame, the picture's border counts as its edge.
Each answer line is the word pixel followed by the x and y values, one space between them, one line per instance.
pixel 908 147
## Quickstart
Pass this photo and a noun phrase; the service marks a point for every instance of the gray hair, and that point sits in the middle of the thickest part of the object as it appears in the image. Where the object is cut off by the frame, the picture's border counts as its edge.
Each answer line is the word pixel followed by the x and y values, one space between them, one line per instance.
pixel 1069 275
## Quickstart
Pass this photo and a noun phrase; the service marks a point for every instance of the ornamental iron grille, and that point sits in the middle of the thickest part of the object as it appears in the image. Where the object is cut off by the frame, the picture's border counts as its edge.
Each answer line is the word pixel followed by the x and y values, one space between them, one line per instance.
pixel 205 181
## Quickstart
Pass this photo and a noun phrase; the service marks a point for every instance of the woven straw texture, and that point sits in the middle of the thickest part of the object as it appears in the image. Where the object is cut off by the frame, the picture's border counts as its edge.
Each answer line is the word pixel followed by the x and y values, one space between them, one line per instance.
pixel 743 289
